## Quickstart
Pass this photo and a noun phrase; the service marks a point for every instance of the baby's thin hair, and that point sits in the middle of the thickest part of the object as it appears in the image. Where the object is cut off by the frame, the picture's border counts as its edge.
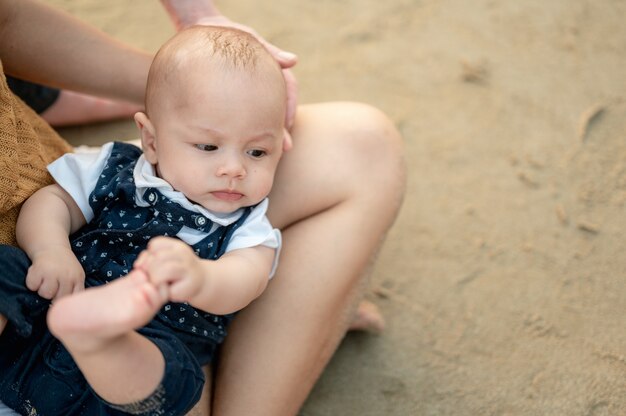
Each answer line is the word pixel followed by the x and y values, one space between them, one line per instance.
pixel 226 48
pixel 235 47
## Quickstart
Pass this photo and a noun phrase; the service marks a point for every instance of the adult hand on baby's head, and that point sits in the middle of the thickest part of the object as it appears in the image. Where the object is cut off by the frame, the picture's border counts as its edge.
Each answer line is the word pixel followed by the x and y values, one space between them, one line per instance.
pixel 55 272
pixel 171 263
pixel 286 60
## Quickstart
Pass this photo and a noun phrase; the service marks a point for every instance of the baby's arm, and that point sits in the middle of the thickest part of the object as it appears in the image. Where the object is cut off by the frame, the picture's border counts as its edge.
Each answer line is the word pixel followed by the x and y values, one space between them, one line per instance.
pixel 219 286
pixel 46 220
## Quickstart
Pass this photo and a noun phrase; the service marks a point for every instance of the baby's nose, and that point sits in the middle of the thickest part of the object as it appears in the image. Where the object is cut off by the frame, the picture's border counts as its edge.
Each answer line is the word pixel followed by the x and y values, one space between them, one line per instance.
pixel 232 166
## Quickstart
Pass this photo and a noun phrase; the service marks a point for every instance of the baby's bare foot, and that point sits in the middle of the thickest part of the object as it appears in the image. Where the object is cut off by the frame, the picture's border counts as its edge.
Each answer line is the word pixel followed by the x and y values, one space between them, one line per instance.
pixel 367 318
pixel 86 320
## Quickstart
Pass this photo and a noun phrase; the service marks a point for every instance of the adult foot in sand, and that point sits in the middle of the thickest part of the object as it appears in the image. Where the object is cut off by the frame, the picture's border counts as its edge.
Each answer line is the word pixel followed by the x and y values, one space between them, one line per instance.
pixel 367 318
pixel 73 108
pixel 89 320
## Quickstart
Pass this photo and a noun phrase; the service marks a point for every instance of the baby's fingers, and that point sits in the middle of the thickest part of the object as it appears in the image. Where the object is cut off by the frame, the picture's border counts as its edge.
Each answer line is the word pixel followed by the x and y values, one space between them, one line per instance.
pixel 65 288
pixel 48 288
pixel 164 273
pixel 162 243
pixel 183 290
pixel 69 286
pixel 33 280
pixel 142 261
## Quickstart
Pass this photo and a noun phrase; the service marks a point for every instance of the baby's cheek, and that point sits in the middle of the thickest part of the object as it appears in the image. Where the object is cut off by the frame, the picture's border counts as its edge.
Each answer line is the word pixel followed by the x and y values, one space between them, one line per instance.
pixel 265 184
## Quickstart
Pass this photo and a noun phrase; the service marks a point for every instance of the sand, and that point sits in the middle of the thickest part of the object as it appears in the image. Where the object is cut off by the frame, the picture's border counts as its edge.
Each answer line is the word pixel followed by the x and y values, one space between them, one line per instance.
pixel 503 278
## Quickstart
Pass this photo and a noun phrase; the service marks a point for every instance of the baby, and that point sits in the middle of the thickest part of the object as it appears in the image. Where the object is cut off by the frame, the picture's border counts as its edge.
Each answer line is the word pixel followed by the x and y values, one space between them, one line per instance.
pixel 169 242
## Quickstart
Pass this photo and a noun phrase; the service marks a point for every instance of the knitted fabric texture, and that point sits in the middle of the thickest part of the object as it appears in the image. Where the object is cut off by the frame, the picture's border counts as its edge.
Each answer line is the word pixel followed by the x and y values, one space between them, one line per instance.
pixel 27 145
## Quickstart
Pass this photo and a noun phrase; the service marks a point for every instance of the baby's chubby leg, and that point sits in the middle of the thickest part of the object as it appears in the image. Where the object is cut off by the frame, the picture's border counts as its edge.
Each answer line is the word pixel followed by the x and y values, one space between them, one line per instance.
pixel 97 326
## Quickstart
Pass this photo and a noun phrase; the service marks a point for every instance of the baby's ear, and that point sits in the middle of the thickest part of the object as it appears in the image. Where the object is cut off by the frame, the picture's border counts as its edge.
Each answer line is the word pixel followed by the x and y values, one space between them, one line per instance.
pixel 148 136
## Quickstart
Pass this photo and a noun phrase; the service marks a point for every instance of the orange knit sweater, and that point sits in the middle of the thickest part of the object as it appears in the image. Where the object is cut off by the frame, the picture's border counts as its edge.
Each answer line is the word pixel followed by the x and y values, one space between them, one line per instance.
pixel 27 145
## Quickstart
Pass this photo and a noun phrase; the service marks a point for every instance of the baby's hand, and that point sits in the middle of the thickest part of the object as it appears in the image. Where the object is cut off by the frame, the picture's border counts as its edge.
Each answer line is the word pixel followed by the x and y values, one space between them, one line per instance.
pixel 171 262
pixel 55 272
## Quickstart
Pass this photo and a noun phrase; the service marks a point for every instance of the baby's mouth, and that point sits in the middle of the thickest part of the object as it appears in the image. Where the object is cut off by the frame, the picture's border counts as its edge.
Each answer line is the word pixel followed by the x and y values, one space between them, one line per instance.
pixel 227 195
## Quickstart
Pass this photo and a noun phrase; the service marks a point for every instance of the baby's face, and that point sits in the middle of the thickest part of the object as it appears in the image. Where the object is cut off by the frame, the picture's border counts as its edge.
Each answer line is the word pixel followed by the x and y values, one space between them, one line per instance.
pixel 221 141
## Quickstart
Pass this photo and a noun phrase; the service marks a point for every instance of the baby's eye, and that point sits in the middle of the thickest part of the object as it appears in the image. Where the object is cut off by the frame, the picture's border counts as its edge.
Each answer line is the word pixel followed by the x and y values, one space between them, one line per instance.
pixel 257 153
pixel 206 147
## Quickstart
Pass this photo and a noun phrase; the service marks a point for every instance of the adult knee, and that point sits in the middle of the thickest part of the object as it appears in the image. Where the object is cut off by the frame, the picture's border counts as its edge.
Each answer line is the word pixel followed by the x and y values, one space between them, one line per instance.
pixel 375 146
pixel 371 130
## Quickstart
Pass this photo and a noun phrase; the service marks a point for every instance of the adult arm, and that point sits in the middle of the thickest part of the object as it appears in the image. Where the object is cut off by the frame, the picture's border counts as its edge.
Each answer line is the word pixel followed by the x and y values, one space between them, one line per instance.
pixel 186 13
pixel 45 45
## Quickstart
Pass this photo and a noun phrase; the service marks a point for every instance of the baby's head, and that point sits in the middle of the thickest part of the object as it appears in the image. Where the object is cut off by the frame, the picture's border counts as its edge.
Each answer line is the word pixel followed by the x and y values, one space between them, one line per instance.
pixel 214 121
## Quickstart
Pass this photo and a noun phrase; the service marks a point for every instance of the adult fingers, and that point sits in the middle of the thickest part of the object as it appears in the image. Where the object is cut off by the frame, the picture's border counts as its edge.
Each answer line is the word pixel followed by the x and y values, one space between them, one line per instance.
pixel 292 97
pixel 284 58
pixel 287 140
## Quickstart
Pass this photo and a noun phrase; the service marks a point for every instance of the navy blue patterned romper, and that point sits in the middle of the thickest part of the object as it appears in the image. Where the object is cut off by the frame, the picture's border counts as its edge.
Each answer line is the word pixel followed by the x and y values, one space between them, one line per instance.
pixel 37 373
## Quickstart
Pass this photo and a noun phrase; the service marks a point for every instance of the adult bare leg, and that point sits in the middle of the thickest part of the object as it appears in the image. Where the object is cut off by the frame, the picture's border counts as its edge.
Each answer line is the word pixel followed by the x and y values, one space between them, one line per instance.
pixel 336 194
pixel 72 108
pixel 203 407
